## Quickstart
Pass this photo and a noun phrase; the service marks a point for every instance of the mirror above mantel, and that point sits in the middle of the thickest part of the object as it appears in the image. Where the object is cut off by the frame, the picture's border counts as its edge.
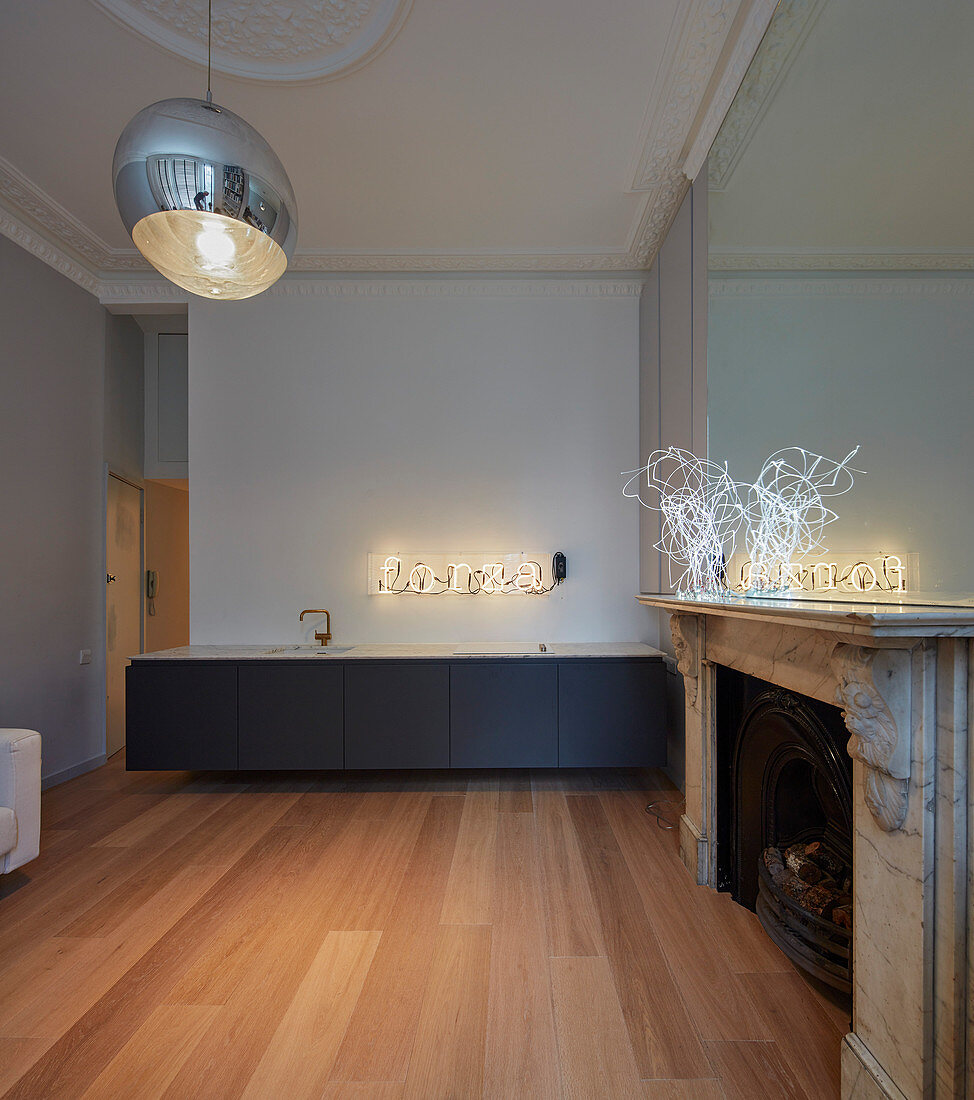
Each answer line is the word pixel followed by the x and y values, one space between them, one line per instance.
pixel 841 269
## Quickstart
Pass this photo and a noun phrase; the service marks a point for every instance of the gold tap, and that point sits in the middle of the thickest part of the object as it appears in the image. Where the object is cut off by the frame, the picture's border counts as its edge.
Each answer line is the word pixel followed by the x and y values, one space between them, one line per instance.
pixel 323 638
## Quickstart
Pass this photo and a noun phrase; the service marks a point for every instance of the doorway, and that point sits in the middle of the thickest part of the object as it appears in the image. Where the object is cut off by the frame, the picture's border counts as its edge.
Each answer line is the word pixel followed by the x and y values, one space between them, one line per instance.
pixel 123 600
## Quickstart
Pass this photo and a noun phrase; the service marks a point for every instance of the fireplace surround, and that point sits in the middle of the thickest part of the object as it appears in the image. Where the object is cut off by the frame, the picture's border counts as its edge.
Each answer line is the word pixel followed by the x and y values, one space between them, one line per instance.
pixel 901 674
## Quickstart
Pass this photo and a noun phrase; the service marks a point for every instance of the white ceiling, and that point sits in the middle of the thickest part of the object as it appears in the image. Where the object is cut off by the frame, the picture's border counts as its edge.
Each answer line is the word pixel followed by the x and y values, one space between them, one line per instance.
pixel 501 135
pixel 851 143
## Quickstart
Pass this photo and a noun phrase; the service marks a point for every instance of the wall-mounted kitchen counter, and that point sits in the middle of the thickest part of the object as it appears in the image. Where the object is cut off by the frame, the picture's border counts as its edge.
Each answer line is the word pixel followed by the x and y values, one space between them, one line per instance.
pixel 396 706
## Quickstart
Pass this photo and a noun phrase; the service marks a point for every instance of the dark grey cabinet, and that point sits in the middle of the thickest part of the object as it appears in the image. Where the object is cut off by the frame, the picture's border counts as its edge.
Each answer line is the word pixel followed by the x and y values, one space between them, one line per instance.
pixel 320 714
pixel 397 715
pixel 181 716
pixel 290 716
pixel 611 714
pixel 504 714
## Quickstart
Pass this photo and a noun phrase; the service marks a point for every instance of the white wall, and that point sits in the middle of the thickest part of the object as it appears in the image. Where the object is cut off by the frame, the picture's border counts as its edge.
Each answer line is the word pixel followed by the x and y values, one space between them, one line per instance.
pixel 52 591
pixel 412 414
pixel 124 401
pixel 829 361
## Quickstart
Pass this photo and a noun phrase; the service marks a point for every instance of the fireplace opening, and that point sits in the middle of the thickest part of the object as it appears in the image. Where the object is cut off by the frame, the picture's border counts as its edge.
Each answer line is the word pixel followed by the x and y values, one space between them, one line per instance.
pixel 784 820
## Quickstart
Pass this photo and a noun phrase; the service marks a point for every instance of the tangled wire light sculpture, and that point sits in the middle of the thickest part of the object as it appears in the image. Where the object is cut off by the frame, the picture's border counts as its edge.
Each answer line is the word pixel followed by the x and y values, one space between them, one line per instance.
pixel 701 515
pixel 785 515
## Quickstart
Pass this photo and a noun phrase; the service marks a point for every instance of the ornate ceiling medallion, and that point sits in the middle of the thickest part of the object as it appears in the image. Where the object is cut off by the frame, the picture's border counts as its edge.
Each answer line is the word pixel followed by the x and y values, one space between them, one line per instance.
pixel 265 40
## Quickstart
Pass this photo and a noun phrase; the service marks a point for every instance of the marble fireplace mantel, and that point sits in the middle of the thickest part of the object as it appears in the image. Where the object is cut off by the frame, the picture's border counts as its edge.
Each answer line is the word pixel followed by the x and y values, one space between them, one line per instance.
pixel 902 674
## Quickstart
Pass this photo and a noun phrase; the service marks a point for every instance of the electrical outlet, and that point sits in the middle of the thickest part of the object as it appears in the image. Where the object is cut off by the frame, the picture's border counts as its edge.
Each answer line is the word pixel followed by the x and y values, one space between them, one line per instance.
pixel 84 657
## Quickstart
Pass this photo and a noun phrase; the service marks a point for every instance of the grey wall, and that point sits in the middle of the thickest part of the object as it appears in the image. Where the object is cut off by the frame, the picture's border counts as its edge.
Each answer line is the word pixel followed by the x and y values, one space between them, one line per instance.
pixel 481 413
pixel 673 401
pixel 52 600
pixel 829 361
pixel 124 401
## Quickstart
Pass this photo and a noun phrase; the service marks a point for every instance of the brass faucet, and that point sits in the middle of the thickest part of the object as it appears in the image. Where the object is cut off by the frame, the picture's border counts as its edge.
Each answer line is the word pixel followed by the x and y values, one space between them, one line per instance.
pixel 323 638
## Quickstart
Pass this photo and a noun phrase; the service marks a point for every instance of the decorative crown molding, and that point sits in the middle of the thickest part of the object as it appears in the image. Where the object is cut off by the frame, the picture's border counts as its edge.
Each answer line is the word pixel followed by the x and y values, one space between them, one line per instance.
pixel 787 31
pixel 701 33
pixel 37 245
pixel 830 287
pixel 812 260
pixel 879 724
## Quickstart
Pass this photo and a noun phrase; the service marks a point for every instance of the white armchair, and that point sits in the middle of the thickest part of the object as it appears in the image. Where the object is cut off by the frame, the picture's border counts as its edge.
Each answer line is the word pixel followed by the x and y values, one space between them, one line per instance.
pixel 20 798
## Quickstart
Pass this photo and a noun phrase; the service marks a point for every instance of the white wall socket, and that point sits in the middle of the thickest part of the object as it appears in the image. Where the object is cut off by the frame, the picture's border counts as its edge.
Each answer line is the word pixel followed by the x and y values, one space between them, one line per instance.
pixel 84 657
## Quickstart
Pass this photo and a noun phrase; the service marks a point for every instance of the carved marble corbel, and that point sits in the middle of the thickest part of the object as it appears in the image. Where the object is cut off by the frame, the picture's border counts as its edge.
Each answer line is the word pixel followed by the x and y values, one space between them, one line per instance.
pixel 684 630
pixel 874 692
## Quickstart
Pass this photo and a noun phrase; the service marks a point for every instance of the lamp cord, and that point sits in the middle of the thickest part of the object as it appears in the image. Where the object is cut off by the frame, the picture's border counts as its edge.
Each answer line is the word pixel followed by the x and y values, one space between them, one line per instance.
pixel 209 48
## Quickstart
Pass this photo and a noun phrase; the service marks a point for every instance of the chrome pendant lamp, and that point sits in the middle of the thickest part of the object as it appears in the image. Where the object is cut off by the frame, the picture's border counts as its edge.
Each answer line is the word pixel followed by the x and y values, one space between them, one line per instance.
pixel 204 197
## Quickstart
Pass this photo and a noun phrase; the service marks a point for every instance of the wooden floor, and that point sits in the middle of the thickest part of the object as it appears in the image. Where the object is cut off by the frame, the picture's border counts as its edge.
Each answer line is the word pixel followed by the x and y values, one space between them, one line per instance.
pixel 378 936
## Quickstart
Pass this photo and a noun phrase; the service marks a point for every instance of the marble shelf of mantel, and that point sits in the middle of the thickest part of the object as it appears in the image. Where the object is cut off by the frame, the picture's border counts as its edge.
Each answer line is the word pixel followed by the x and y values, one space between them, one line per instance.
pixel 949 618
pixel 401 651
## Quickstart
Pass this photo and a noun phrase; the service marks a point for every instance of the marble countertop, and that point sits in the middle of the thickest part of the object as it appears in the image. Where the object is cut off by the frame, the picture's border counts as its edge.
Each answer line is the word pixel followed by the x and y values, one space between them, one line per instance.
pixel 454 651
pixel 909 616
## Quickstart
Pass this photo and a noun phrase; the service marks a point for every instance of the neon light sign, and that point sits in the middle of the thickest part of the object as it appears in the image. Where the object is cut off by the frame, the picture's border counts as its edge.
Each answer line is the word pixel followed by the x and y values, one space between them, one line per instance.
pixel 841 573
pixel 466 573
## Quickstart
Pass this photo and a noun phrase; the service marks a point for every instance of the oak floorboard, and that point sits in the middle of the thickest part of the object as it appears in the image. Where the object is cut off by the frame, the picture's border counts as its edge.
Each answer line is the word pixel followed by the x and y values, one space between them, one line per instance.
pixel 88 968
pixel 749 1070
pixel 17 1056
pixel 806 1036
pixel 363 1090
pixel 173 817
pixel 718 1002
pixel 149 1061
pixel 448 1053
pixel 76 1059
pixel 381 1032
pixel 706 1088
pixel 597 1058
pixel 522 1051
pixel 571 915
pixel 662 1035
pixel 225 887
pixel 302 1051
pixel 471 883
pixel 515 795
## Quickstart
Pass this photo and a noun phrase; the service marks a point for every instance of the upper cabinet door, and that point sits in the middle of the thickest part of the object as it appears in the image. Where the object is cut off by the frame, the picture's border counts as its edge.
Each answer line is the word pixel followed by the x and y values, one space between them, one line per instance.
pixel 166 405
pixel 504 714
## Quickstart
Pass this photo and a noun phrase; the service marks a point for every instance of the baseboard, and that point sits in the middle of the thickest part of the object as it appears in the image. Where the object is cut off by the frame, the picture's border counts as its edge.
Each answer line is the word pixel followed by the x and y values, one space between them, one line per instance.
pixel 693 851
pixel 863 1078
pixel 71 773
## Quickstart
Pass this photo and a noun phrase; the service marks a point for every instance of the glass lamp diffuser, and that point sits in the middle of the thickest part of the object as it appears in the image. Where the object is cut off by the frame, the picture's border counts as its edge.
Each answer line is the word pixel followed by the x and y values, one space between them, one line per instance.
pixel 205 198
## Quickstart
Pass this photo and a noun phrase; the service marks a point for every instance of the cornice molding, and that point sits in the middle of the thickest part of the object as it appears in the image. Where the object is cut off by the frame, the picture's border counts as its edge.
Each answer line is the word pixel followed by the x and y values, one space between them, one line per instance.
pixel 745 46
pixel 787 31
pixel 841 261
pixel 835 287
pixel 121 293
pixel 701 33
pixel 37 245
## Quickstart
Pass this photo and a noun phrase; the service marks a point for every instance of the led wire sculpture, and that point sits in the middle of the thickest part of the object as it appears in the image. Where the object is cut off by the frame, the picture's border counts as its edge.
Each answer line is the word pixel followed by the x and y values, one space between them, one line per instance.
pixel 702 513
pixel 785 513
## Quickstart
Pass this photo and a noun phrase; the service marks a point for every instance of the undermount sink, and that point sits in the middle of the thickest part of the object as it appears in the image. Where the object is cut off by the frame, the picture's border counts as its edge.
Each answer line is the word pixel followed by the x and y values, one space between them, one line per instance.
pixel 308 650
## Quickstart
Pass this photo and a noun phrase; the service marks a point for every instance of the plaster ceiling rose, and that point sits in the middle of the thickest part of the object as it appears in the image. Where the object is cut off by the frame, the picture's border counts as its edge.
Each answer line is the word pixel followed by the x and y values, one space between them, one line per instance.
pixel 289 42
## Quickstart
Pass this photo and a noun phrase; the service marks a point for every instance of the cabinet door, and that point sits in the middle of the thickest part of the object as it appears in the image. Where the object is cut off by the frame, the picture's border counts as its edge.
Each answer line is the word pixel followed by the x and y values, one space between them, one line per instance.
pixel 611 714
pixel 504 714
pixel 181 717
pixel 290 716
pixel 397 715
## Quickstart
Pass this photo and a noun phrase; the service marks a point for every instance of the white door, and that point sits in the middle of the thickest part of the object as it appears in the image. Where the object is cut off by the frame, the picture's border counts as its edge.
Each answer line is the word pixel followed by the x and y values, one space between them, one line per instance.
pixel 123 600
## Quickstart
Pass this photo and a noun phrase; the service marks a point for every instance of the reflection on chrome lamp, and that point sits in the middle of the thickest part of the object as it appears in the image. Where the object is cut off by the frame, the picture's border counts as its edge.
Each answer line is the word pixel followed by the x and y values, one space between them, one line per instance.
pixel 701 515
pixel 785 516
pixel 703 512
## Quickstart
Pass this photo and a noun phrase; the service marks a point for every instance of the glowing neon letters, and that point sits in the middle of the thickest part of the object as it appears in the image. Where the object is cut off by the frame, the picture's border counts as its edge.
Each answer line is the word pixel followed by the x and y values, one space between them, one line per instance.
pixel 467 573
